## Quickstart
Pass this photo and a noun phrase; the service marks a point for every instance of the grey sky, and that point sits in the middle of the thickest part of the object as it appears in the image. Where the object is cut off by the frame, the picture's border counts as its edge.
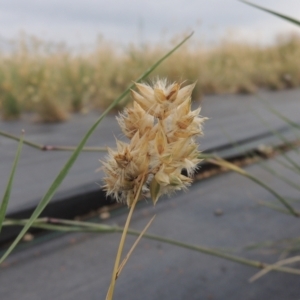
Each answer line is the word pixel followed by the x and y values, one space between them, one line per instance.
pixel 80 21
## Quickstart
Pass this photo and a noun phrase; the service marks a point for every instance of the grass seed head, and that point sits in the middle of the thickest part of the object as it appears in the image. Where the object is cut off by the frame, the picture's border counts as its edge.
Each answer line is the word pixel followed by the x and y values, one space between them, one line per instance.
pixel 162 130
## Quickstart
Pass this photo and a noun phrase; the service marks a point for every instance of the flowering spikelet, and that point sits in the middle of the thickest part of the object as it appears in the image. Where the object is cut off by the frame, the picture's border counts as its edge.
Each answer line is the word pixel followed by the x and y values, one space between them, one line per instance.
pixel 162 130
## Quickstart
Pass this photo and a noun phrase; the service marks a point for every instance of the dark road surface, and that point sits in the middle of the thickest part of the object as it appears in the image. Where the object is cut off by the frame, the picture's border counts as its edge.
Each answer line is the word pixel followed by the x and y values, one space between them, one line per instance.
pixel 79 266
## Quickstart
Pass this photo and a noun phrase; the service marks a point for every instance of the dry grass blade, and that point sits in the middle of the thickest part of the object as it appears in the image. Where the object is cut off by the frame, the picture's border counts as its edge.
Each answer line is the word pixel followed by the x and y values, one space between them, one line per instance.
pixel 225 164
pixel 272 267
pixel 111 288
pixel 122 265
pixel 50 147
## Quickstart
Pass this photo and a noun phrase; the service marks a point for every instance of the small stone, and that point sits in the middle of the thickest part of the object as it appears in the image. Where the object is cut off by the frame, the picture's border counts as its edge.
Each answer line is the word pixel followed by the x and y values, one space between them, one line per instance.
pixel 218 212
pixel 72 241
pixel 28 237
pixel 104 215
pixel 5 265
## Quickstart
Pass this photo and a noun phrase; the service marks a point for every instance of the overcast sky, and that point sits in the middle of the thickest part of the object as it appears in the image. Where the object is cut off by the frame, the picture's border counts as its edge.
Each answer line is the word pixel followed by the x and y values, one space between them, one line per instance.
pixel 78 22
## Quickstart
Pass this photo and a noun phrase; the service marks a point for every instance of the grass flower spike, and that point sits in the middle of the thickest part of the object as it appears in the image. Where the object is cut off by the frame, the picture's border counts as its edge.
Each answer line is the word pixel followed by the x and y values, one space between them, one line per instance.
pixel 162 131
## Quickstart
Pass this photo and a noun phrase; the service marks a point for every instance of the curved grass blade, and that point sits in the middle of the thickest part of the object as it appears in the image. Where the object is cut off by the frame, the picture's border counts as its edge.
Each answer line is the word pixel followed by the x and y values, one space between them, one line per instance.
pixel 262 163
pixel 274 207
pixel 285 165
pixel 64 171
pixel 278 114
pixel 94 227
pixel 223 163
pixel 281 137
pixel 16 138
pixel 123 263
pixel 278 175
pixel 8 188
pixel 287 18
pixel 44 147
pixel 263 272
pixel 273 131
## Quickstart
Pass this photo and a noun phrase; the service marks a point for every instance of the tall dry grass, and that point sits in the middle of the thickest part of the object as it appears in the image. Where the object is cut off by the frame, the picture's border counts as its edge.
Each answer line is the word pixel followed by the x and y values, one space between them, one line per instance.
pixel 52 81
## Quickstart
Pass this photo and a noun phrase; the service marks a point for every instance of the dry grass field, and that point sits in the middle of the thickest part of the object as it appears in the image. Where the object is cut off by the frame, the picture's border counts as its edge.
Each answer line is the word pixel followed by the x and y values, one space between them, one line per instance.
pixel 53 82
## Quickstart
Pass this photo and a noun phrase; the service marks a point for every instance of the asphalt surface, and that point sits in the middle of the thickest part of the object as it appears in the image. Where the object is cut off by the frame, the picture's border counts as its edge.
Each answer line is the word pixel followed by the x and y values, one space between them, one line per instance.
pixel 232 119
pixel 79 266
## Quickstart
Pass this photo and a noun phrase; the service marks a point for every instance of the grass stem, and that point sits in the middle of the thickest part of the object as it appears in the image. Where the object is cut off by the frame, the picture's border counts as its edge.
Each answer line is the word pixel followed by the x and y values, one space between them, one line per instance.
pixel 80 226
pixel 110 292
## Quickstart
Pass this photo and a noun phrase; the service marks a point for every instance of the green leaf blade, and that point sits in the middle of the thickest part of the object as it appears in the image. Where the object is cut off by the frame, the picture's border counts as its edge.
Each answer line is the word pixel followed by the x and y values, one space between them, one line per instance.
pixel 284 17
pixel 8 188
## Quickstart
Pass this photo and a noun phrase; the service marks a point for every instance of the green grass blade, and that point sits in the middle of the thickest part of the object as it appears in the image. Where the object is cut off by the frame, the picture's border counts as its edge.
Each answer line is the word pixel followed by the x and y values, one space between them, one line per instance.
pixel 274 207
pixel 273 131
pixel 259 182
pixel 281 137
pixel 262 163
pixel 279 114
pixel 295 166
pixel 8 188
pixel 16 138
pixel 289 207
pixel 49 147
pixel 287 18
pixel 223 163
pixel 276 174
pixel 285 165
pixel 94 227
pixel 64 171
pixel 62 225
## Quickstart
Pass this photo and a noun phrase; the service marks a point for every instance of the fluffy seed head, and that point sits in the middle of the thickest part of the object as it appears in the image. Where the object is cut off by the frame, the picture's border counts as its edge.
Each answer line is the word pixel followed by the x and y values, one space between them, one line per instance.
pixel 162 130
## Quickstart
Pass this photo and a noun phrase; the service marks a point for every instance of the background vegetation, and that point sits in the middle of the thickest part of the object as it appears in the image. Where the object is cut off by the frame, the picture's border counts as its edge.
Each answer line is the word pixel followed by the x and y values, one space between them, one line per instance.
pixel 51 81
